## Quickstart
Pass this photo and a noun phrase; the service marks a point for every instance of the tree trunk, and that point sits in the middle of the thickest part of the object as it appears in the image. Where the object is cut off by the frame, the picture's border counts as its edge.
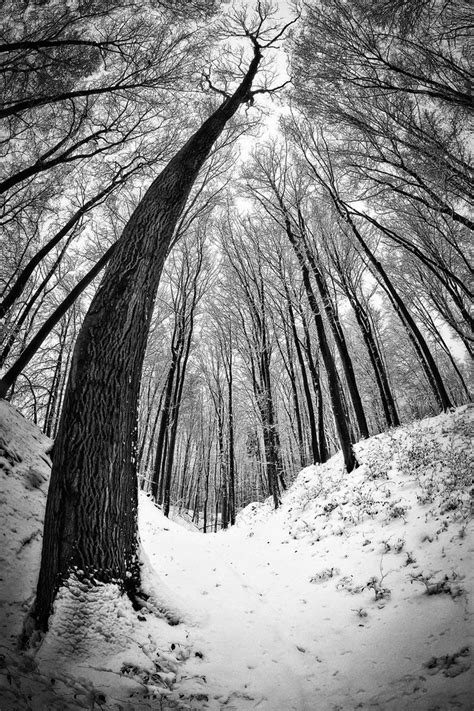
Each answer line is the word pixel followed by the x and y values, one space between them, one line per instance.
pixel 161 449
pixel 91 512
pixel 61 389
pixel 342 425
pixel 144 428
pixel 314 371
pixel 296 402
pixel 178 395
pixel 337 332
pixel 381 376
pixel 146 481
pixel 230 439
pixel 315 449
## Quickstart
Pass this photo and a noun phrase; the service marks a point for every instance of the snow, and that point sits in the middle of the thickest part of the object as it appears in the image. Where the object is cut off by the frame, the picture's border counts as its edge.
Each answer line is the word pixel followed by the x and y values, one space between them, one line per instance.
pixel 356 593
pixel 24 473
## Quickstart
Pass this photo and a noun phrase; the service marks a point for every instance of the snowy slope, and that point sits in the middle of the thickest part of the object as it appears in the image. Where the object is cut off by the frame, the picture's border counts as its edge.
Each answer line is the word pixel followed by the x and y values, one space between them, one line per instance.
pixel 356 593
pixel 24 473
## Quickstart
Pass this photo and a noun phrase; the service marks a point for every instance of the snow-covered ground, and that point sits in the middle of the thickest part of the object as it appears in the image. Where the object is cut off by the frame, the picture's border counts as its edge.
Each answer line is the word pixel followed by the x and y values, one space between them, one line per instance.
pixel 356 594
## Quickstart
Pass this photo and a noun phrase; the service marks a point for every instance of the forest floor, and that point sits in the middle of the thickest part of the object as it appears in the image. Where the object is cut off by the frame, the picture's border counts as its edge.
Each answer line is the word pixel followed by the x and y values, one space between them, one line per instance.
pixel 357 593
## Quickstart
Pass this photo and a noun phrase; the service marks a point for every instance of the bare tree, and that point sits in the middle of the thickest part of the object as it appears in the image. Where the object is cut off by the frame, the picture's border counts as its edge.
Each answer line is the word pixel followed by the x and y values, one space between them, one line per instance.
pixel 90 523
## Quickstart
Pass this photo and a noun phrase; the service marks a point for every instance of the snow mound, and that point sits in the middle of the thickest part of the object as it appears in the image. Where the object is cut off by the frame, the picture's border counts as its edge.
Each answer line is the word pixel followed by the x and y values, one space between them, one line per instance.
pixel 152 512
pixel 87 620
pixel 427 464
pixel 386 556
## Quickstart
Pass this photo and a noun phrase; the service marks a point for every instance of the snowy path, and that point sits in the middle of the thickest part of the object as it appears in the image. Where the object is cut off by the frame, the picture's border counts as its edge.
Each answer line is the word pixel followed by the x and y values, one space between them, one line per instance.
pixel 248 653
pixel 272 640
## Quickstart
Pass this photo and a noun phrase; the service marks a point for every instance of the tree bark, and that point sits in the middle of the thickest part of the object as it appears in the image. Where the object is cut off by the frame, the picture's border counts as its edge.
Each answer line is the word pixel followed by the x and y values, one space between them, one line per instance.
pixel 91 513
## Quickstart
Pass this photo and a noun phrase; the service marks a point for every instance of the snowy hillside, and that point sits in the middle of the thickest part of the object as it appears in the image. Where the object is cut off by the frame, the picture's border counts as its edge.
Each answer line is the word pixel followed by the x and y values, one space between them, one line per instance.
pixel 356 594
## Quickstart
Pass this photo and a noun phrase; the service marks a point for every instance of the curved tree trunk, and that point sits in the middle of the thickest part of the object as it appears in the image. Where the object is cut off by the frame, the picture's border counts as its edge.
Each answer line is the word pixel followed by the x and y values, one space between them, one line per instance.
pixel 91 512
